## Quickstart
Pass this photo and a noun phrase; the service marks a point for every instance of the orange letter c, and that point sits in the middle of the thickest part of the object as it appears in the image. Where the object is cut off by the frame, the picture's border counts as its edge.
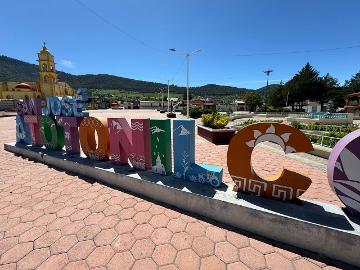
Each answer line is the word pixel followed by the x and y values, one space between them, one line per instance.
pixel 287 185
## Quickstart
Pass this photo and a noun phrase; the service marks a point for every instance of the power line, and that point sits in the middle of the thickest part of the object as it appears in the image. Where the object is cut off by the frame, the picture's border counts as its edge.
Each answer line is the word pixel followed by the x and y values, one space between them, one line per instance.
pixel 125 33
pixel 299 51
pixel 178 70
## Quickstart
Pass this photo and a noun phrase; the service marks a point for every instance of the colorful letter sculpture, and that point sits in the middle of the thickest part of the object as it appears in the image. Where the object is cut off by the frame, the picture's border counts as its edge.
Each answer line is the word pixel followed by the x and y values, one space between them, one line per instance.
pixel 28 121
pixel 184 156
pixel 161 146
pixel 67 104
pixel 32 106
pixel 343 171
pixel 52 135
pixel 53 106
pixel 79 101
pixel 130 143
pixel 20 107
pixel 22 131
pixel 145 143
pixel 88 144
pixel 71 132
pixel 33 122
pixel 287 185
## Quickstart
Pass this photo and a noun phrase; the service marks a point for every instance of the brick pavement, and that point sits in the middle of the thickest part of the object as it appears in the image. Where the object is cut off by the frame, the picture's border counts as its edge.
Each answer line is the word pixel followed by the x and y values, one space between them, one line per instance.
pixel 50 219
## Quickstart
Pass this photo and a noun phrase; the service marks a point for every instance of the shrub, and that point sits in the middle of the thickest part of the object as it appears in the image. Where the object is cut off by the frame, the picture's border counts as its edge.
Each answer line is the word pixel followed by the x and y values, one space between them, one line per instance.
pixel 195 112
pixel 328 128
pixel 295 124
pixel 215 120
pixel 207 119
pixel 220 121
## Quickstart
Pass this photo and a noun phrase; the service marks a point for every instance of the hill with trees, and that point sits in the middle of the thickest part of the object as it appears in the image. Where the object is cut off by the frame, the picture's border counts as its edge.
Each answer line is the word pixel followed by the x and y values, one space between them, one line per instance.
pixel 15 70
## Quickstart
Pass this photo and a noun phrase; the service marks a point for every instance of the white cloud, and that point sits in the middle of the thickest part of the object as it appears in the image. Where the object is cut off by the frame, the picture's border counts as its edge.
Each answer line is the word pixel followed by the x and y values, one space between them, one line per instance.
pixel 67 63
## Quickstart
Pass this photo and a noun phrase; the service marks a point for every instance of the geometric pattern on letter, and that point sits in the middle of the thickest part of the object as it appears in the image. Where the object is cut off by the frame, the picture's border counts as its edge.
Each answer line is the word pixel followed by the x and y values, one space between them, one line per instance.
pixel 71 132
pixel 286 185
pixel 161 146
pixel 282 192
pixel 33 122
pixel 93 150
pixel 344 171
pixel 22 130
pixel 256 187
pixel 131 143
pixel 184 156
pixel 52 135
pixel 240 183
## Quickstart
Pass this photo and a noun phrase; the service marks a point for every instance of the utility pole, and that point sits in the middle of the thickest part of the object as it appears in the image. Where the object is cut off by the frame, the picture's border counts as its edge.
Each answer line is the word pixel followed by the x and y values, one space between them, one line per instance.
pixel 187 55
pixel 187 84
pixel 168 97
pixel 162 99
pixel 267 72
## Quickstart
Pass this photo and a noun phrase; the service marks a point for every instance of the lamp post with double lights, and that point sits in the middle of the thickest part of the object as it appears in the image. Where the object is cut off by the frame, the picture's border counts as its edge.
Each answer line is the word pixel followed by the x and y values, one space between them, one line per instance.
pixel 267 72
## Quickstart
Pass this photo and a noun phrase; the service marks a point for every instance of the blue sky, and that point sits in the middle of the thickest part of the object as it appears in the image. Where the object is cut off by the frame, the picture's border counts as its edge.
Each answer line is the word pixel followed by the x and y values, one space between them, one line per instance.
pixel 134 40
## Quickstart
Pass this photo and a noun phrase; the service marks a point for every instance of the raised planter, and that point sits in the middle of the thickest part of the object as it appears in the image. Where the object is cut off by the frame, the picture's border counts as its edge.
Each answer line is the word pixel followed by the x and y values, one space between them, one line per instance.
pixel 216 136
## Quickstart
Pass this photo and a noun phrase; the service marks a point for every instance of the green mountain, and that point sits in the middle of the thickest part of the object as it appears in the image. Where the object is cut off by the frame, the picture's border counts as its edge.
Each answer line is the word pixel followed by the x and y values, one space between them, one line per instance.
pixel 15 70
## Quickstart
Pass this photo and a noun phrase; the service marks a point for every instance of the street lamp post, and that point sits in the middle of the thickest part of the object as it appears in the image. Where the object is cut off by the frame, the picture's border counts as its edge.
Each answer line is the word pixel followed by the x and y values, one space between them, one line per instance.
pixel 187 55
pixel 267 72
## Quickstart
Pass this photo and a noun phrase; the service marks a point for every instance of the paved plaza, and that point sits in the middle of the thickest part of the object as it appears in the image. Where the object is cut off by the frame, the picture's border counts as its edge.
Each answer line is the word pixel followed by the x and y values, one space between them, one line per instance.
pixel 50 219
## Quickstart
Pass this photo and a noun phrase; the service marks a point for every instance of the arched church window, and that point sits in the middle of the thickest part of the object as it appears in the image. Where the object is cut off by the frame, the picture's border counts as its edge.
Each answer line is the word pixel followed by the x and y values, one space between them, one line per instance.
pixel 44 67
pixel 51 67
pixel 46 78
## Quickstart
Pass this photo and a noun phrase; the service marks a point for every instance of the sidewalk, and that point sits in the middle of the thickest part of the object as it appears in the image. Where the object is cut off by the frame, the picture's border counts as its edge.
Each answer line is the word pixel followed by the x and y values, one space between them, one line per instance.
pixel 50 219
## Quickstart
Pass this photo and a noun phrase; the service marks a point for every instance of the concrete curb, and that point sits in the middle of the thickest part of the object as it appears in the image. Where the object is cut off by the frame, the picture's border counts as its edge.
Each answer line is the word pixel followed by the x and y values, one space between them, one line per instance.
pixel 321 151
pixel 318 227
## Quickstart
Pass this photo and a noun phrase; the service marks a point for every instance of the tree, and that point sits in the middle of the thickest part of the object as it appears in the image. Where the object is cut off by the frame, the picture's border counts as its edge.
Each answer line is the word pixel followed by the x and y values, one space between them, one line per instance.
pixel 305 85
pixel 252 100
pixel 329 87
pixel 277 96
pixel 185 96
pixel 353 85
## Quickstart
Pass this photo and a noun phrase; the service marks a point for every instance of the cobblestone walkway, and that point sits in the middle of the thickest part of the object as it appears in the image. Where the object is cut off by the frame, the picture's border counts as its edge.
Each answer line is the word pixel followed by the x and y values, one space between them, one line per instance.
pixel 50 219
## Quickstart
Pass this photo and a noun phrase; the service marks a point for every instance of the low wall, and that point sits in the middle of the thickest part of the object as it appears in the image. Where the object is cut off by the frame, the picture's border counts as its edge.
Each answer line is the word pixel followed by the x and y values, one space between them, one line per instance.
pixel 7 104
pixel 325 121
pixel 321 151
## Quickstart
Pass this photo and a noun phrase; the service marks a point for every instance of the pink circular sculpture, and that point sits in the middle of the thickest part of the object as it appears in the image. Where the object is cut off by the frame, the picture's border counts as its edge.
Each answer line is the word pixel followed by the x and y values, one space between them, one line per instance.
pixel 343 171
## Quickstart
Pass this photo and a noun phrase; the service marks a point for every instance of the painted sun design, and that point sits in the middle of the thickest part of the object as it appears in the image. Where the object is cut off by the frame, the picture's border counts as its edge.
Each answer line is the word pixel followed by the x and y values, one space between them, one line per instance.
pixel 271 136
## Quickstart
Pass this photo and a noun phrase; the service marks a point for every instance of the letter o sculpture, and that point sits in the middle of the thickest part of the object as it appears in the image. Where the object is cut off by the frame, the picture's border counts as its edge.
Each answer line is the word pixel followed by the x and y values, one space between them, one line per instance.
pixel 343 171
pixel 52 135
pixel 286 185
pixel 93 150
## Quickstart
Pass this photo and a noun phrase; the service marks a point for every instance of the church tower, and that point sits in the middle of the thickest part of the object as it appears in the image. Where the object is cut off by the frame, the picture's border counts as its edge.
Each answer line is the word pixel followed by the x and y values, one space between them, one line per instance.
pixel 47 73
